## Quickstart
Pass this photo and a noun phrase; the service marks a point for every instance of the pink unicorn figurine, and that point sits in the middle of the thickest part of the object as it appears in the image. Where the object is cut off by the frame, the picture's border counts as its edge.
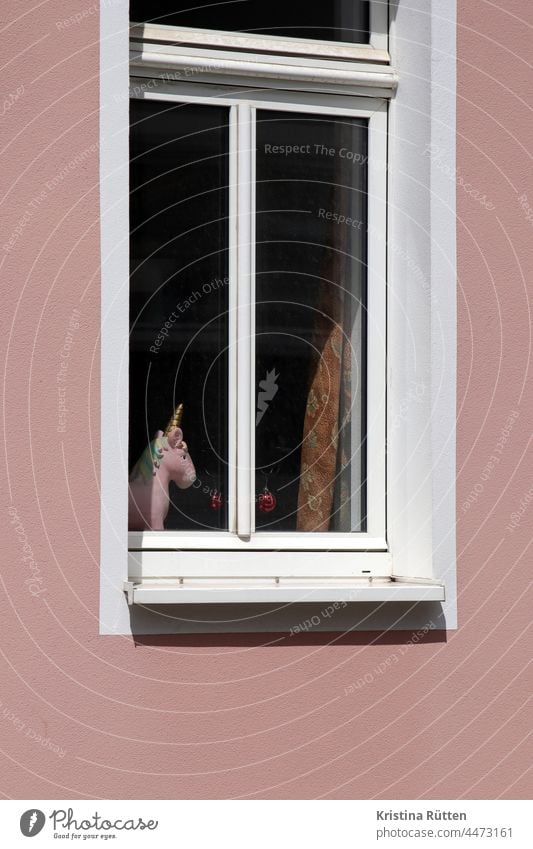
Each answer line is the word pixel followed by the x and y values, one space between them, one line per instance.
pixel 165 459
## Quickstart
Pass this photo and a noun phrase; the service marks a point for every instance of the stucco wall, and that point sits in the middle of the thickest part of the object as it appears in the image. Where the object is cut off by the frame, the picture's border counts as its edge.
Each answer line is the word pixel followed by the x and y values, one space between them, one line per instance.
pixel 356 716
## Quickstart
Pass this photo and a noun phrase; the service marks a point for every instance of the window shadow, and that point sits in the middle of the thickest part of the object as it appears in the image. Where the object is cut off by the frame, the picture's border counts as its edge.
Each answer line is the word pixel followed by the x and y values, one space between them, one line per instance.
pixel 357 624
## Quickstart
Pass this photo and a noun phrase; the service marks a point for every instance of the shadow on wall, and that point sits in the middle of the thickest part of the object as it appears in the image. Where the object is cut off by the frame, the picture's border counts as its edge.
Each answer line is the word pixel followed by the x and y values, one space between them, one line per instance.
pixel 341 623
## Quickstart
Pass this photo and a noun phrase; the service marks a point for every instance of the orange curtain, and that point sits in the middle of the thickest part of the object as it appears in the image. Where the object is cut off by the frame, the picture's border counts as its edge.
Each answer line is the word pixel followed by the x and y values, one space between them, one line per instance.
pixel 321 493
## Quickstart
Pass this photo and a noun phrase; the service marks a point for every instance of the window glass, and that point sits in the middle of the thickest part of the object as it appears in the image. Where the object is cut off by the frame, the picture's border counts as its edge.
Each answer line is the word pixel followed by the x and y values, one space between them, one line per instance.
pixel 337 20
pixel 310 322
pixel 178 309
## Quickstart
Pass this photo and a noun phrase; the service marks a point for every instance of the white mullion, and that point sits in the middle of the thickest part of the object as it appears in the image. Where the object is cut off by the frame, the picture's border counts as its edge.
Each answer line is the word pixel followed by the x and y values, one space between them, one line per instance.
pixel 245 377
pixel 232 319
pixel 376 324
pixel 252 295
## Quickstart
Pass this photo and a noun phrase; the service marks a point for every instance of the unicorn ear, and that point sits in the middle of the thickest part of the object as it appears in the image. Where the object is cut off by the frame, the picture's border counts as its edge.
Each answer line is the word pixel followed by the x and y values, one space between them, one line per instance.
pixel 158 434
pixel 175 437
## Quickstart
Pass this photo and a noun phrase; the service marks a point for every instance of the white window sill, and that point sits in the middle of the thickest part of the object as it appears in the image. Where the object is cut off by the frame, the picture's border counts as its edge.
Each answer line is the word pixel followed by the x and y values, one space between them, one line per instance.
pixel 271 591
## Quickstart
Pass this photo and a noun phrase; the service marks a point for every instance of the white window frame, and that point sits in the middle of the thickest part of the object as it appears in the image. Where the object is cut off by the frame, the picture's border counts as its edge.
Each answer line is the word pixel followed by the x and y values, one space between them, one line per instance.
pixel 415 560
pixel 242 535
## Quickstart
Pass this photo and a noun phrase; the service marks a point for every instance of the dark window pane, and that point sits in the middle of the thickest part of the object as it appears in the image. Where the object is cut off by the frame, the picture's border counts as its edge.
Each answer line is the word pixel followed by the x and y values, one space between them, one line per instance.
pixel 311 322
pixel 337 20
pixel 179 296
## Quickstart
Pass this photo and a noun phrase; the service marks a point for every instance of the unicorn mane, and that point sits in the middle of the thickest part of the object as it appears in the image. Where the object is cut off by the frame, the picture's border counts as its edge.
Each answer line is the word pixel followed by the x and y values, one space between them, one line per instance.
pixel 149 460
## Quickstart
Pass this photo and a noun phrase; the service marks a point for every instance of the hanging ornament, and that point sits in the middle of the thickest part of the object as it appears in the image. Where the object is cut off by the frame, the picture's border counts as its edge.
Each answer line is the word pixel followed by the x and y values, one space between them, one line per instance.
pixel 267 501
pixel 216 500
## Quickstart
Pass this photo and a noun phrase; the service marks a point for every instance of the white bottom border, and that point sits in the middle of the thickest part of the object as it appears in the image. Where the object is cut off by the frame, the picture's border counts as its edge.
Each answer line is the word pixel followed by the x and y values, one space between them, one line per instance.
pixel 264 824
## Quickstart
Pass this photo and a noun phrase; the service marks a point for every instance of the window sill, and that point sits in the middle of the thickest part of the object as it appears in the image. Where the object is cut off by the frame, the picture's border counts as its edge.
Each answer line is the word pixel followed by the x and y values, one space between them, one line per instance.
pixel 271 591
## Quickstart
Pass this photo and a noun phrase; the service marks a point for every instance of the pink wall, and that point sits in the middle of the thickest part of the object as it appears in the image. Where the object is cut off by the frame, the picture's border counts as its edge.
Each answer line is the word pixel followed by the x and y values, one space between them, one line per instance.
pixel 250 716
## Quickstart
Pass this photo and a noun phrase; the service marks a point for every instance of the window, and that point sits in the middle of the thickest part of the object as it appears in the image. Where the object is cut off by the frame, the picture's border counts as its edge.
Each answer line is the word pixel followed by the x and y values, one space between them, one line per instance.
pixel 269 323
pixel 342 20
pixel 264 337
pixel 326 29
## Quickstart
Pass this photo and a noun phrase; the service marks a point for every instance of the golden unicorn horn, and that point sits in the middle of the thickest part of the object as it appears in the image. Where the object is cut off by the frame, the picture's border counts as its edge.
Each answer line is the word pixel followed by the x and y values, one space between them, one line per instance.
pixel 175 421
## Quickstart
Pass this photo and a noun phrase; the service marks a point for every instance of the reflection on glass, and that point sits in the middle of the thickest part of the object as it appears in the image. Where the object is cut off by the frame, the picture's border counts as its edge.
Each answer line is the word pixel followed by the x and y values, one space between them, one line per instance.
pixel 337 20
pixel 179 295
pixel 310 322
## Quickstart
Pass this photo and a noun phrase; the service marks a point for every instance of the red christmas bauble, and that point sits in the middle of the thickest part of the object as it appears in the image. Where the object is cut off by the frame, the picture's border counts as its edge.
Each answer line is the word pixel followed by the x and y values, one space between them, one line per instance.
pixel 216 500
pixel 267 501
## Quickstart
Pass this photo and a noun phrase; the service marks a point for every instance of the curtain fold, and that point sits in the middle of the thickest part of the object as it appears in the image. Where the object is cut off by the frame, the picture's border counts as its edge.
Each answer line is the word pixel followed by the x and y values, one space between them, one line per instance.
pixel 323 496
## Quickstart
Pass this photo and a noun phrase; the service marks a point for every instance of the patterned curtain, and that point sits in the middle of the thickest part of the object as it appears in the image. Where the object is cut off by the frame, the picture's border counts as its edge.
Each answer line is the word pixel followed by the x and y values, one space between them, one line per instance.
pixel 324 496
